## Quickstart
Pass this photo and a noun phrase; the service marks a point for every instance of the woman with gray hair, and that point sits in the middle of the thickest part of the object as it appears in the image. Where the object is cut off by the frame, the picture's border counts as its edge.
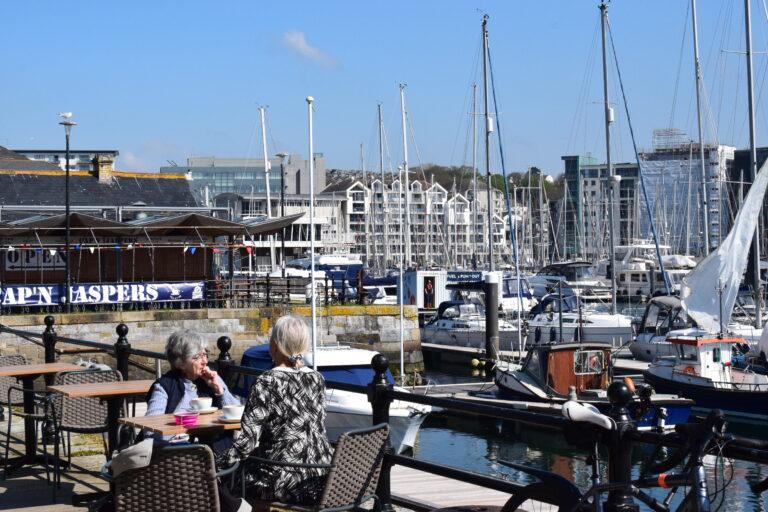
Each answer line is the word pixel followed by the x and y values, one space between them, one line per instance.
pixel 284 421
pixel 188 378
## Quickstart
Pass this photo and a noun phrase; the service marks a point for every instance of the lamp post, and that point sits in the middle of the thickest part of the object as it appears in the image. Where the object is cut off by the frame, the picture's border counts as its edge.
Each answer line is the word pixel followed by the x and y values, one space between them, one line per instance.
pixel 67 123
pixel 282 156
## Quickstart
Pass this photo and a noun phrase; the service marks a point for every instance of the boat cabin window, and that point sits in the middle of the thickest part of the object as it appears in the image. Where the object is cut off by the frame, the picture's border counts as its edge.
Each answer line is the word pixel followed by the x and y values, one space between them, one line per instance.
pixel 681 320
pixel 716 355
pixel 510 288
pixel 687 353
pixel 533 367
pixel 588 362
pixel 656 319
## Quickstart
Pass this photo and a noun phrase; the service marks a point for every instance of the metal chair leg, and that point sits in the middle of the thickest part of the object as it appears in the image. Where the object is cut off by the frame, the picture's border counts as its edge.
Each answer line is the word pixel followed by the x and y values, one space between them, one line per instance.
pixel 7 446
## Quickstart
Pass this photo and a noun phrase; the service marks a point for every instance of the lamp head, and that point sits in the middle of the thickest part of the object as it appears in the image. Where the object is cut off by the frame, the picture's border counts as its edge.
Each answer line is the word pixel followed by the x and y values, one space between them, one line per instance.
pixel 310 99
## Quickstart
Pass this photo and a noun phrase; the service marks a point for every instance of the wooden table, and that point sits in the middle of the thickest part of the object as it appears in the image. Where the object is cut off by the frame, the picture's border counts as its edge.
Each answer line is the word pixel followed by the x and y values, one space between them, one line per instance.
pixel 164 424
pixel 27 373
pixel 111 392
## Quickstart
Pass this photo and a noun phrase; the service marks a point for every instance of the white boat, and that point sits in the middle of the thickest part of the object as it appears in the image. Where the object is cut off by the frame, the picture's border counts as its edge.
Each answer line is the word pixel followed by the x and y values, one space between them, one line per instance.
pixel 580 276
pixel 587 325
pixel 665 318
pixel 638 274
pixel 347 410
pixel 462 324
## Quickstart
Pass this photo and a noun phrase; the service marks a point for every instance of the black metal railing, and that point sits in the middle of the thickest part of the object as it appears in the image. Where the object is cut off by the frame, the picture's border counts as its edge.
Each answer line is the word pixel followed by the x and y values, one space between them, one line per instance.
pixel 381 394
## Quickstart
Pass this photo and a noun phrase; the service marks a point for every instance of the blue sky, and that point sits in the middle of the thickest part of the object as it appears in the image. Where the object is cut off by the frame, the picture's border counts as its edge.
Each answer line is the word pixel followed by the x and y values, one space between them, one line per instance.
pixel 167 80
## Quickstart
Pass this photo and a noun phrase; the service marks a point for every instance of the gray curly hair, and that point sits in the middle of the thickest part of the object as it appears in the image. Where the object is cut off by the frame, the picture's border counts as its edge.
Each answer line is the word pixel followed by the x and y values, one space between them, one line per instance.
pixel 183 345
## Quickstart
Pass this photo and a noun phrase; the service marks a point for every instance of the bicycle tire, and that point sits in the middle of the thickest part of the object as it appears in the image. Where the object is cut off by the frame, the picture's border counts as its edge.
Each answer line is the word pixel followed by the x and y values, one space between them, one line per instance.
pixel 539 493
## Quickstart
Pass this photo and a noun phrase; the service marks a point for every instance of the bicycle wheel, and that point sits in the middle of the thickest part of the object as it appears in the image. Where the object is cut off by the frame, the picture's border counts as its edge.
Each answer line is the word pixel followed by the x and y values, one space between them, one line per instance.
pixel 536 497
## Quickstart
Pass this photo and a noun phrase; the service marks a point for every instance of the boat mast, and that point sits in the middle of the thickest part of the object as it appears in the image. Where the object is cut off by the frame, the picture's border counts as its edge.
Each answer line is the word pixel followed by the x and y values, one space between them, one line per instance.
pixel 610 178
pixel 488 131
pixel 475 248
pixel 367 217
pixel 313 289
pixel 697 70
pixel 405 185
pixel 385 256
pixel 266 182
pixel 755 264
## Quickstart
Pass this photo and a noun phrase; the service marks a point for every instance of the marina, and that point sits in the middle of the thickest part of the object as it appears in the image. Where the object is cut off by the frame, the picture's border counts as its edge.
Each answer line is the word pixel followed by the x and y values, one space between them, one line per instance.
pixel 567 316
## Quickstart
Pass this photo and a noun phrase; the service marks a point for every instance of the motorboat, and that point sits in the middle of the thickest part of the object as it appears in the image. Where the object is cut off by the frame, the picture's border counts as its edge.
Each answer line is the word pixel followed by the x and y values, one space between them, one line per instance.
pixel 665 318
pixel 346 410
pixel 579 323
pixel 462 324
pixel 556 373
pixel 638 274
pixel 513 301
pixel 580 276
pixel 700 368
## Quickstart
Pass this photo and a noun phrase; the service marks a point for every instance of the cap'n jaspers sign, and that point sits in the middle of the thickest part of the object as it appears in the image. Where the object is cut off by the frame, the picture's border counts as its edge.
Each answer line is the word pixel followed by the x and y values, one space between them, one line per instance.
pixel 101 293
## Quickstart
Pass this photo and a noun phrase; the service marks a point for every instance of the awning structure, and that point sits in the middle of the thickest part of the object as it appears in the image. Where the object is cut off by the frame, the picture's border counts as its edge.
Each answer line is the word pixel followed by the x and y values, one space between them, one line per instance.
pixel 191 224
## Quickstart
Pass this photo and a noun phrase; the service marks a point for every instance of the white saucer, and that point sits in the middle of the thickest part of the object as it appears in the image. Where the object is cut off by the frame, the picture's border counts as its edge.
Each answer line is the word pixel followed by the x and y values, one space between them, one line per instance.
pixel 229 420
pixel 207 410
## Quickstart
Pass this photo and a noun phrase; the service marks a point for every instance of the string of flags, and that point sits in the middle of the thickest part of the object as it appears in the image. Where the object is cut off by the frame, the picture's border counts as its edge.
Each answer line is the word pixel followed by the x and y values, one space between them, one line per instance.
pixel 192 249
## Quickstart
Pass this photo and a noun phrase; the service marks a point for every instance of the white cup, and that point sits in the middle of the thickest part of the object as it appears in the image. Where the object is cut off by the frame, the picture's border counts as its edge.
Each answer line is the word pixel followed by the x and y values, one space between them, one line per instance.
pixel 233 412
pixel 200 403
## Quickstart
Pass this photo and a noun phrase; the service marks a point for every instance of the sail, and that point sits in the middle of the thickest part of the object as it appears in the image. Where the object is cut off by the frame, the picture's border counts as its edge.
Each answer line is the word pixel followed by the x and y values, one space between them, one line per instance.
pixel 725 266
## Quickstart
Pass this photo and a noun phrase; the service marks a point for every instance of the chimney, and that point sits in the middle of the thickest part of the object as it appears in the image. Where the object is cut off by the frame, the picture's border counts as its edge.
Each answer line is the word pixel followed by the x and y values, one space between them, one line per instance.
pixel 103 165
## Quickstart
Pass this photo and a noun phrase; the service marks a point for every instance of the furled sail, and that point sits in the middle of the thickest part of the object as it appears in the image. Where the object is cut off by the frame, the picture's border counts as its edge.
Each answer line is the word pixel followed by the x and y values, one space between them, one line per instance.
pixel 725 266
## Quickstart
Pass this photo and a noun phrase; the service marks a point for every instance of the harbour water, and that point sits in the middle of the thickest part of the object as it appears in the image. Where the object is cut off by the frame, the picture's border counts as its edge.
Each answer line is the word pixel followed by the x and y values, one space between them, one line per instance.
pixel 478 444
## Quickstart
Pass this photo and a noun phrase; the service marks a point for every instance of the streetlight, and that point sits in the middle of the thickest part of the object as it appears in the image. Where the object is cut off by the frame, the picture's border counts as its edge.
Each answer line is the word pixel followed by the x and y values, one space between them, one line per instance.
pixel 67 123
pixel 282 157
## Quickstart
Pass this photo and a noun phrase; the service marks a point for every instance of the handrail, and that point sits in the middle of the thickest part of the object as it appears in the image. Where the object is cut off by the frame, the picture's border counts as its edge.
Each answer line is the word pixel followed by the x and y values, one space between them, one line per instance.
pixel 381 394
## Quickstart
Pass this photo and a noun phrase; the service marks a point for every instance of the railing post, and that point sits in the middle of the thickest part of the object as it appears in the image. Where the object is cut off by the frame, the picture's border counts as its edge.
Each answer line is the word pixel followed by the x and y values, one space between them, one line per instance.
pixel 224 361
pixel 620 451
pixel 49 341
pixel 326 289
pixel 121 350
pixel 287 294
pixel 269 291
pixel 378 396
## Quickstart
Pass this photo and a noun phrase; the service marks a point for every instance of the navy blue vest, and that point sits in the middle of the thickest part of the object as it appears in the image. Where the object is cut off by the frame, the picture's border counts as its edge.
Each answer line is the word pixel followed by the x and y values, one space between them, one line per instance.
pixel 173 384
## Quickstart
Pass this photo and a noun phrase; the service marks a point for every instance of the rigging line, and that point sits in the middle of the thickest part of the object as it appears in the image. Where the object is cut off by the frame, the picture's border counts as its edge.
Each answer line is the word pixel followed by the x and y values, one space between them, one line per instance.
pixel 679 67
pixel 583 92
pixel 721 58
pixel 412 133
pixel 464 104
pixel 637 159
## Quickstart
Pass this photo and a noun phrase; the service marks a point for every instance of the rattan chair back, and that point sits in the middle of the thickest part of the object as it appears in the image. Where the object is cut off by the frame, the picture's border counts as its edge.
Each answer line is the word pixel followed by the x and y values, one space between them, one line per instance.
pixel 84 414
pixel 7 382
pixel 355 468
pixel 179 479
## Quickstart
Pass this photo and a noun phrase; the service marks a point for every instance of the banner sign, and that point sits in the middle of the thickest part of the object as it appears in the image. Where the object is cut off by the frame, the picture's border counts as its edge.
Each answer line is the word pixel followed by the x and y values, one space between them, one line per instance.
pixel 456 276
pixel 101 293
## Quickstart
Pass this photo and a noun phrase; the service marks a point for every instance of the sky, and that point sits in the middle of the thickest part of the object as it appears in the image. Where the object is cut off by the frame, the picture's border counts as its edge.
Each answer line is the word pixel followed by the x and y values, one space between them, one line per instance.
pixel 164 81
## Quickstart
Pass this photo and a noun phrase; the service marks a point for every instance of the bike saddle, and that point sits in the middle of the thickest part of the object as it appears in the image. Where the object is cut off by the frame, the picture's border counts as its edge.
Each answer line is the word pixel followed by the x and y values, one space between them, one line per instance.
pixel 587 413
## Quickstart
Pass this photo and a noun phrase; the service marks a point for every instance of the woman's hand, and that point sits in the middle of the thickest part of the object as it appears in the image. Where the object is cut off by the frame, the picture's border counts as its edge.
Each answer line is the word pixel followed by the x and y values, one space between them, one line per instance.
pixel 209 376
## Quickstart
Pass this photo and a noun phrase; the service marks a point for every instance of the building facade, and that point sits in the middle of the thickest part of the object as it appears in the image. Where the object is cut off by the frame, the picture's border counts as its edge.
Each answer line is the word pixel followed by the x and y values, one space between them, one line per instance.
pixel 79 159
pixel 211 176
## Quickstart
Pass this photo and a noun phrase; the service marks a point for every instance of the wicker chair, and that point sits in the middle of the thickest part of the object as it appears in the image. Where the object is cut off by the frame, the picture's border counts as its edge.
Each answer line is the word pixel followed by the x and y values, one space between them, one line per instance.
pixel 180 478
pixel 7 382
pixel 352 477
pixel 82 415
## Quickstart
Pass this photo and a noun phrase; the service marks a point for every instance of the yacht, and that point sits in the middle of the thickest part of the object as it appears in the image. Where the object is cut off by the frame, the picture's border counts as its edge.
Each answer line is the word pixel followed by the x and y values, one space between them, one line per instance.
pixel 579 323
pixel 462 324
pixel 700 369
pixel 554 374
pixel 665 318
pixel 638 275
pixel 580 276
pixel 347 410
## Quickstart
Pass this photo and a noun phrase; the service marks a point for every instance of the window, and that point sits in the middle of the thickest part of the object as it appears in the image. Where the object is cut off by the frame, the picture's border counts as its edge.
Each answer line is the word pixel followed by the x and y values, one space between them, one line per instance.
pixel 687 353
pixel 588 362
pixel 716 355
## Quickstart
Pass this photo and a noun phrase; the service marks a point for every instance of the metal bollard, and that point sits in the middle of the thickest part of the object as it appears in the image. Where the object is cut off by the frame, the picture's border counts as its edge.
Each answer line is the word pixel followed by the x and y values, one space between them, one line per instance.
pixel 378 396
pixel 224 361
pixel 121 350
pixel 620 452
pixel 491 288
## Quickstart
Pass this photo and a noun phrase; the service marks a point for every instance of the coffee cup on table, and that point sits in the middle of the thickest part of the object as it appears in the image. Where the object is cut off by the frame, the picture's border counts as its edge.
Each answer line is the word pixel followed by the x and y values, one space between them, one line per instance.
pixel 233 412
pixel 200 403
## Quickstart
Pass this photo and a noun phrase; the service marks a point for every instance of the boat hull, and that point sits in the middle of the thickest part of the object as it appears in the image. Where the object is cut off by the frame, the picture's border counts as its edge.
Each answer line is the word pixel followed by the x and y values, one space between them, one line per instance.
pixel 403 428
pixel 674 410
pixel 508 340
pixel 744 405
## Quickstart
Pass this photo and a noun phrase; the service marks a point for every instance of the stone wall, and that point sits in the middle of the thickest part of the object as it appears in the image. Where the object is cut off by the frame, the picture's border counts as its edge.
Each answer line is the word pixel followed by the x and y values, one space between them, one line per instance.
pixel 375 327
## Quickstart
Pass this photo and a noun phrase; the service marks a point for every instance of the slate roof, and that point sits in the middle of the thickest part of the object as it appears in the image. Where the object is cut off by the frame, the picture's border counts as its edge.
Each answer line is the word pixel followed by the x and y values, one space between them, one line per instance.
pixel 340 185
pixel 29 182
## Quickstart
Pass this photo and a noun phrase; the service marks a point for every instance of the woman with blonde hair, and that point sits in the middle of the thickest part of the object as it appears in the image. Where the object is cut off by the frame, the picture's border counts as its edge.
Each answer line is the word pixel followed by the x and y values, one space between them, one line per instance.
pixel 284 421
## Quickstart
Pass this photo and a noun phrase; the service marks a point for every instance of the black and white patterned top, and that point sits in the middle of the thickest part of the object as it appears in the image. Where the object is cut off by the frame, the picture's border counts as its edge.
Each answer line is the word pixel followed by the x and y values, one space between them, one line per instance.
pixel 284 420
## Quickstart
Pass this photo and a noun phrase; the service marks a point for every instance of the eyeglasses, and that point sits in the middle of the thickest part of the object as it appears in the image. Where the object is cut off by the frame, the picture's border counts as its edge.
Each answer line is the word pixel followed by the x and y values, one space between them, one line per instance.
pixel 203 354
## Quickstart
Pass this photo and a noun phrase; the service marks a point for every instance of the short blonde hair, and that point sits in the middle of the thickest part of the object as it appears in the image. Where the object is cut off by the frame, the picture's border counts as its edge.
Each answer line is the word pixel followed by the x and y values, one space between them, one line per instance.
pixel 291 337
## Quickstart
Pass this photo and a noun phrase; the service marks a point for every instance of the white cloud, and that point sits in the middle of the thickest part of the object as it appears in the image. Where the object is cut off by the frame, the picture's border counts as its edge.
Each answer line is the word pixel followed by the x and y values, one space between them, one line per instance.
pixel 295 41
